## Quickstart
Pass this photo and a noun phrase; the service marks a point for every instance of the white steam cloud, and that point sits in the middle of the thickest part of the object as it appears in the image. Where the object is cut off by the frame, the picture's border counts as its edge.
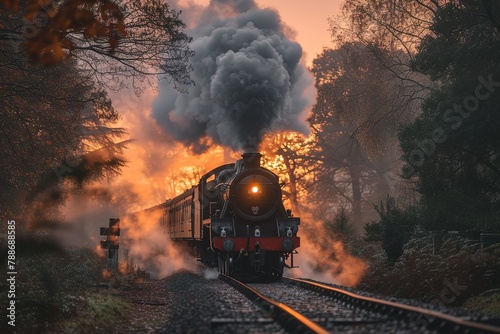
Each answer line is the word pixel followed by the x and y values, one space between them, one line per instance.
pixel 248 80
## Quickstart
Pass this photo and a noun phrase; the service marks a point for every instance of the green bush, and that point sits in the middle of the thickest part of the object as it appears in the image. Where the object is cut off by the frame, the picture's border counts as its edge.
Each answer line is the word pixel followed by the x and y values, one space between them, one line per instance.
pixel 394 228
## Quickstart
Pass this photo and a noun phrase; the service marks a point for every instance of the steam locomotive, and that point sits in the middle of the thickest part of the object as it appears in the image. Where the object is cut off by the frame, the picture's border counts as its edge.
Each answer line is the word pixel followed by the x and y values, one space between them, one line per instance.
pixel 235 219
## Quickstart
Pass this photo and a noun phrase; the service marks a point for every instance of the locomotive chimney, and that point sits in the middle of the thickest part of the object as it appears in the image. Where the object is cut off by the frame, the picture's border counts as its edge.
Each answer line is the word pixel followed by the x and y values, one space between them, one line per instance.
pixel 251 160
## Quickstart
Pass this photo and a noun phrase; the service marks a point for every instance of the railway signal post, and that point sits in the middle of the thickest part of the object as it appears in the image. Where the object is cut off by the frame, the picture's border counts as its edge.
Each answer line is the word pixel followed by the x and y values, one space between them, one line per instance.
pixel 111 243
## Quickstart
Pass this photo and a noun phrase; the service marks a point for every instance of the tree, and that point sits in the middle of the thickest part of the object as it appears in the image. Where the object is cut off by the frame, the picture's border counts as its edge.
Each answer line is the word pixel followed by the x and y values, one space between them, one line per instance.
pixel 115 41
pixel 291 157
pixel 492 9
pixel 49 116
pixel 340 225
pixel 394 228
pixel 360 105
pixel 183 179
pixel 58 61
pixel 452 149
pixel 396 26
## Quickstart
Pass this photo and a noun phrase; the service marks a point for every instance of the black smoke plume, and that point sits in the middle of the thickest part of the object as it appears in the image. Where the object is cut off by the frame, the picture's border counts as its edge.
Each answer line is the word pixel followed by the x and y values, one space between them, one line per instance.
pixel 248 81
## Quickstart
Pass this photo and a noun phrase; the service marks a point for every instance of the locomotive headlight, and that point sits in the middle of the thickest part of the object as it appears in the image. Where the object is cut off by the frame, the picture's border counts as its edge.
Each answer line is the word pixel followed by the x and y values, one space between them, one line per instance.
pixel 255 189
pixel 257 231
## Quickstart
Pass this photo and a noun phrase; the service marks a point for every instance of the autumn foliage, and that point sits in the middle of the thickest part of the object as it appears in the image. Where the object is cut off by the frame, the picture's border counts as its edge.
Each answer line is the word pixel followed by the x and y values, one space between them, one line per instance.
pixel 50 23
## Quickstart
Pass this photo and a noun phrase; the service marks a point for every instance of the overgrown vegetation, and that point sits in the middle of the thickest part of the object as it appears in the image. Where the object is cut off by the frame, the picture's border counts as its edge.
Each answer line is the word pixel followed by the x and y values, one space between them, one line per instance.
pixel 452 149
pixel 445 269
pixel 394 228
pixel 487 303
pixel 449 275
pixel 57 291
pixel 431 73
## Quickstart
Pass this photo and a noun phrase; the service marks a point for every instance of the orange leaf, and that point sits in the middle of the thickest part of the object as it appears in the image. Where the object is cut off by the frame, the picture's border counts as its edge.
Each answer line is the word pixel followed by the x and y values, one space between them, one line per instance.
pixel 10 4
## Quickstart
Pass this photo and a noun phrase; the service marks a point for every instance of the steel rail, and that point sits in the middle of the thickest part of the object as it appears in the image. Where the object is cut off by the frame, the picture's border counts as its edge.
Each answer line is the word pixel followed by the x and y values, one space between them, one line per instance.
pixel 470 326
pixel 285 316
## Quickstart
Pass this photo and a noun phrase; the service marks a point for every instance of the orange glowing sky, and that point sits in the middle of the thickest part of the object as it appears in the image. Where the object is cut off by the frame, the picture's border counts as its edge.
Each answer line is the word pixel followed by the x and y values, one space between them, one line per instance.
pixel 307 18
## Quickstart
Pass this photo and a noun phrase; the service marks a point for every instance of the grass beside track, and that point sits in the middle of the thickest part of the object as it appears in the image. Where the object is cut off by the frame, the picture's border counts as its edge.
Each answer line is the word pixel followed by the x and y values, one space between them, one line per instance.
pixel 488 303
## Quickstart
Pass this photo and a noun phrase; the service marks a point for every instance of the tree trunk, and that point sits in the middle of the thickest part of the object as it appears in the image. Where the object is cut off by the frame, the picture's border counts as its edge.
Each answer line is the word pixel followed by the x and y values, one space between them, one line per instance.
pixel 356 195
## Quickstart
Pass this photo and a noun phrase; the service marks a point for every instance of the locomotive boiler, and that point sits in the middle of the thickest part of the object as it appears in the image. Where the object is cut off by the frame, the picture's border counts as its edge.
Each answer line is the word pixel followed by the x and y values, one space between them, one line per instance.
pixel 234 219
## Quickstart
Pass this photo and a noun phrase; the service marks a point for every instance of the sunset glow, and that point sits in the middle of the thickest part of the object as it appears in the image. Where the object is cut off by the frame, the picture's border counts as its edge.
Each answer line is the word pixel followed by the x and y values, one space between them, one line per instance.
pixel 153 151
pixel 160 168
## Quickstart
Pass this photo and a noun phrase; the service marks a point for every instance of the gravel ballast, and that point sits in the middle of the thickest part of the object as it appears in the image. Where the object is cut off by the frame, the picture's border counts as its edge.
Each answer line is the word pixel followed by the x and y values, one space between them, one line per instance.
pixel 190 303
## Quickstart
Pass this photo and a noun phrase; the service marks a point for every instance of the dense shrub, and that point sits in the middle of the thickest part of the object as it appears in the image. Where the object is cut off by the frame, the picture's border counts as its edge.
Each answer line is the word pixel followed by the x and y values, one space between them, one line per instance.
pixel 51 284
pixel 394 228
pixel 449 275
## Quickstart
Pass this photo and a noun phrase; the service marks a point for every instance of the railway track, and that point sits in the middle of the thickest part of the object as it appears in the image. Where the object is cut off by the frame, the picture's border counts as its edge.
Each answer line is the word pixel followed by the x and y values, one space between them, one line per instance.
pixel 288 318
pixel 413 316
pixel 302 306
